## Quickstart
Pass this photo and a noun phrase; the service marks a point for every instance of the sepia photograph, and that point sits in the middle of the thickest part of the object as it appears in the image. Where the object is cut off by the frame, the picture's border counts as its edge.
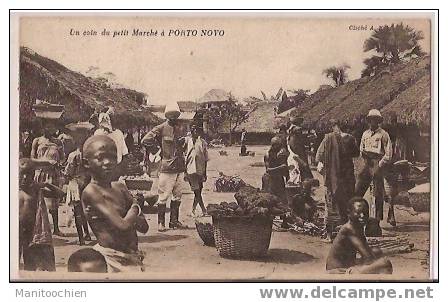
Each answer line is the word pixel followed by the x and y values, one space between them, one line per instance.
pixel 222 147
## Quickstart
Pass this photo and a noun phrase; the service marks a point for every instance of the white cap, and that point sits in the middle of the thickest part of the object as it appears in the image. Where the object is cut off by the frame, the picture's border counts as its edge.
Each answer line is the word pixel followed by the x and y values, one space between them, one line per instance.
pixel 172 111
pixel 374 113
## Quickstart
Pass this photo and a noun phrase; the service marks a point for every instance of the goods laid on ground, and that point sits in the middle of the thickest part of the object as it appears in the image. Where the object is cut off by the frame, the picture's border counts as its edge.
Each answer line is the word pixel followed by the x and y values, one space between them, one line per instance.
pixel 391 245
pixel 216 143
pixel 228 183
pixel 204 227
pixel 420 197
pixel 223 153
pixel 307 228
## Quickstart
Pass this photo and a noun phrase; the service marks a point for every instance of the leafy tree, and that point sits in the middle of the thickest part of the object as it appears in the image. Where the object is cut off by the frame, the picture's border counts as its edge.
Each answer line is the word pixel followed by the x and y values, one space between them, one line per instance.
pixel 392 44
pixel 227 114
pixel 338 74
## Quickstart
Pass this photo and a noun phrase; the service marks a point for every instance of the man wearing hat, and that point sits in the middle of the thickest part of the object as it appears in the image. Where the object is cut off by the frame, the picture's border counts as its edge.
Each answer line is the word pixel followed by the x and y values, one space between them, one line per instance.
pixel 169 137
pixel 376 151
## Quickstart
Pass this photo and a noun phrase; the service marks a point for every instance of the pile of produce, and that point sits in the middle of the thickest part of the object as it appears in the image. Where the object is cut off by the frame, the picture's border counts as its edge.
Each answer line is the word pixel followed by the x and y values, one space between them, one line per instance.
pixel 307 228
pixel 251 202
pixel 138 182
pixel 131 165
pixel 228 183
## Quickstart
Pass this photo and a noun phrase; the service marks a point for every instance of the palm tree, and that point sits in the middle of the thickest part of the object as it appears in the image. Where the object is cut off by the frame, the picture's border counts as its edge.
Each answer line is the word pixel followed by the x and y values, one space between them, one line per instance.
pixel 392 44
pixel 338 74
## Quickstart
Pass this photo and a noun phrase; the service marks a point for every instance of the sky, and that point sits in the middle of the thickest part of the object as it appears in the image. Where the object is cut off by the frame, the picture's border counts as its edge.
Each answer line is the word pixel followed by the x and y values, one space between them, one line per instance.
pixel 254 54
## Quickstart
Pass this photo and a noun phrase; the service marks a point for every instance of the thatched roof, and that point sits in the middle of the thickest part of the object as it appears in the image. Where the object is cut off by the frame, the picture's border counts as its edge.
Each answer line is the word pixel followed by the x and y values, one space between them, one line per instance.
pixel 214 96
pixel 261 119
pixel 45 79
pixel 413 104
pixel 404 88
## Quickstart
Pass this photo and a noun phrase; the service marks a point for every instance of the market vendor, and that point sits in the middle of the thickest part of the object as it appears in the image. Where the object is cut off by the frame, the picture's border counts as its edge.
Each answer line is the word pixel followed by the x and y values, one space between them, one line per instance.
pixel 170 138
pixel 298 157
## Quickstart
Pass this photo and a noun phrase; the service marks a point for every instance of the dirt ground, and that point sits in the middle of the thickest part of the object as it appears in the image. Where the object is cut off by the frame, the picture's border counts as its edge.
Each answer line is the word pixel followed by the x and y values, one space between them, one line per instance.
pixel 180 254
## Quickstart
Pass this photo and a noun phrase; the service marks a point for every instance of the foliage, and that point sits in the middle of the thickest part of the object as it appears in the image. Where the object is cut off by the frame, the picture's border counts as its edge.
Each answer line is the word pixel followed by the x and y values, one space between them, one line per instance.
pixel 298 97
pixel 338 74
pixel 230 113
pixel 392 44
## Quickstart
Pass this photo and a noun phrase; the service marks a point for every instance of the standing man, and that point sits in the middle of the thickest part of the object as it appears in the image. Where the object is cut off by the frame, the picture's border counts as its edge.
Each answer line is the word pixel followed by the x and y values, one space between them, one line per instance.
pixel 243 150
pixel 169 137
pixel 376 151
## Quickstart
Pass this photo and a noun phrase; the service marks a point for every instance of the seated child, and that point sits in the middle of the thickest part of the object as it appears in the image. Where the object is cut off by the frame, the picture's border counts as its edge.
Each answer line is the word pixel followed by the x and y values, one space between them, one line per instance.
pixel 351 240
pixel 35 239
pixel 113 214
pixel 88 261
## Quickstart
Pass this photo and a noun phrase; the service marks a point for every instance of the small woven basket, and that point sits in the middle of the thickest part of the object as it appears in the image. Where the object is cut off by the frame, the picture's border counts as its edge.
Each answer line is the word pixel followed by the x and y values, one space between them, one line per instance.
pixel 139 184
pixel 205 230
pixel 242 237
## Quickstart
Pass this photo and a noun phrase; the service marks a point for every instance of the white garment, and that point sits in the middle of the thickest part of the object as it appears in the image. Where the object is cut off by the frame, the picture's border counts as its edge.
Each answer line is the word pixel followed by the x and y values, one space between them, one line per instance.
pixel 294 170
pixel 118 138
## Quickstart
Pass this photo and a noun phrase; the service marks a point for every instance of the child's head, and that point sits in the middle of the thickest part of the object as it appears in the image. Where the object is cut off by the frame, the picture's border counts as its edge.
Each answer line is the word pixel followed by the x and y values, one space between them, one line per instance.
pixel 100 155
pixel 276 143
pixel 87 260
pixel 358 210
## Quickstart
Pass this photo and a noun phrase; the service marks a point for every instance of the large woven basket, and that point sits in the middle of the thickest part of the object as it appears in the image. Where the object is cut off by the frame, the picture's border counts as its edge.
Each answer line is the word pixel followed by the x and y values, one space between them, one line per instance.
pixel 242 237
pixel 205 230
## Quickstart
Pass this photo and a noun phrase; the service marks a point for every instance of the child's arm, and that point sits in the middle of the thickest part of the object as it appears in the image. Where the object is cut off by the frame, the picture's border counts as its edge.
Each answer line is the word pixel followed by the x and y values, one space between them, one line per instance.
pixel 141 225
pixel 91 198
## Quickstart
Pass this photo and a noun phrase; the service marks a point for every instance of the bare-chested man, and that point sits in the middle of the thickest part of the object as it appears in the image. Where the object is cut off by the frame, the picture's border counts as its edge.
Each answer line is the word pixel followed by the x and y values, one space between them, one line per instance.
pixel 113 214
pixel 351 241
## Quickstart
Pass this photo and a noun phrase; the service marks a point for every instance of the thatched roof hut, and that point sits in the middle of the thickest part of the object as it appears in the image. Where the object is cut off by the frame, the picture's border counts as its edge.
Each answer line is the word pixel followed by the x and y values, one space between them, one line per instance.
pixel 403 89
pixel 45 79
pixel 412 105
pixel 215 96
pixel 261 119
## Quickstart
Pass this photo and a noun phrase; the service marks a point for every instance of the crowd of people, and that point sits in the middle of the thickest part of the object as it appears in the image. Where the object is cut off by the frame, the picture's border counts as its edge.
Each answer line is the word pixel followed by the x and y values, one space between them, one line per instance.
pixel 86 159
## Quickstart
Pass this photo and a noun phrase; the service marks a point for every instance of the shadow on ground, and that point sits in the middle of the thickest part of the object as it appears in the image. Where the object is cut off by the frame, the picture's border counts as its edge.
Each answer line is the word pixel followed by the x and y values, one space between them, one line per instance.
pixel 409 227
pixel 160 238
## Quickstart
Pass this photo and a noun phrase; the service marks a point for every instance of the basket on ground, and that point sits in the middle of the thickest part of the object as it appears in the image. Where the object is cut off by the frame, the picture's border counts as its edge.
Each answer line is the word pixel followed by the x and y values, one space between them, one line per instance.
pixel 242 237
pixel 420 198
pixel 204 227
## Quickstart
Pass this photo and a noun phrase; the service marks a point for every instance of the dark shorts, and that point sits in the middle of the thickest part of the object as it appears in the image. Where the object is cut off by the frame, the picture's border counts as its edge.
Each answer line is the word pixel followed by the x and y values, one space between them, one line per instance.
pixel 196 182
